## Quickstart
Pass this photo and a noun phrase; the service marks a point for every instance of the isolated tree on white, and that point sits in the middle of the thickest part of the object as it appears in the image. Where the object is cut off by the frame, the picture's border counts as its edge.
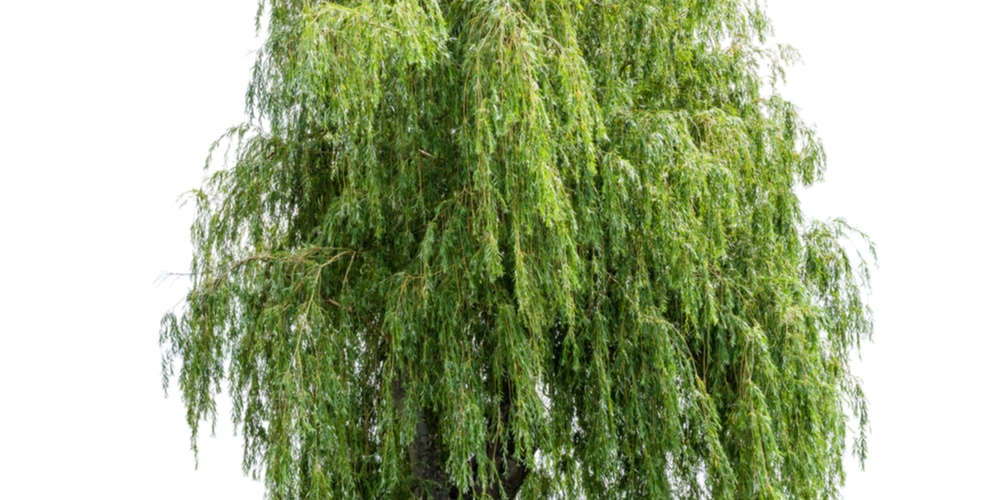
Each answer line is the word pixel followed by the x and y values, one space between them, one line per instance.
pixel 471 248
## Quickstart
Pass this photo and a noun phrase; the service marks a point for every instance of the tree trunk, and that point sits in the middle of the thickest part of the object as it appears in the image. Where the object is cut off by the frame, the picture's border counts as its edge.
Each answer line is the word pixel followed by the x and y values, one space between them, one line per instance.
pixel 425 461
pixel 431 483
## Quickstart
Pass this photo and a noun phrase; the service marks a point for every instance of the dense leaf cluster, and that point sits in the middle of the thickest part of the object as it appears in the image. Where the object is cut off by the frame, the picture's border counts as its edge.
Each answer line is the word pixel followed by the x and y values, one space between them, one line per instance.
pixel 466 248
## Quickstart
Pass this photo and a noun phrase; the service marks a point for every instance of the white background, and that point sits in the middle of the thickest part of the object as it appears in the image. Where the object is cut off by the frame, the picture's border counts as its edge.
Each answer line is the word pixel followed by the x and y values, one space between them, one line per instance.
pixel 107 109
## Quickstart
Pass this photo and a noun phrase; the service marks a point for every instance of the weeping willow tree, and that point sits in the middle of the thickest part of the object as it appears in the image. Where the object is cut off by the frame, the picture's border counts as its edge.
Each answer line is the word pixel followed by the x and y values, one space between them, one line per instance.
pixel 547 248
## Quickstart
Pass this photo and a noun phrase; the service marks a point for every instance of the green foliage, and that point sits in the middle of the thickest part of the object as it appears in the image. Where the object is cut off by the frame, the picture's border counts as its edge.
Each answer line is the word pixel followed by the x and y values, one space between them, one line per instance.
pixel 476 247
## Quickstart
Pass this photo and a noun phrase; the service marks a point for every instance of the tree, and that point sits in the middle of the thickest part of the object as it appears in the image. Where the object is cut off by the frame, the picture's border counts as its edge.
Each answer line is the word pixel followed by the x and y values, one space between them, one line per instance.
pixel 470 248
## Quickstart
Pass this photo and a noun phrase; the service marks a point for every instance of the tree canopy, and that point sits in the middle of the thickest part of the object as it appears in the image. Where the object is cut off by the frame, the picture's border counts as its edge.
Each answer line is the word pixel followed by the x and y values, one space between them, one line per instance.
pixel 471 248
